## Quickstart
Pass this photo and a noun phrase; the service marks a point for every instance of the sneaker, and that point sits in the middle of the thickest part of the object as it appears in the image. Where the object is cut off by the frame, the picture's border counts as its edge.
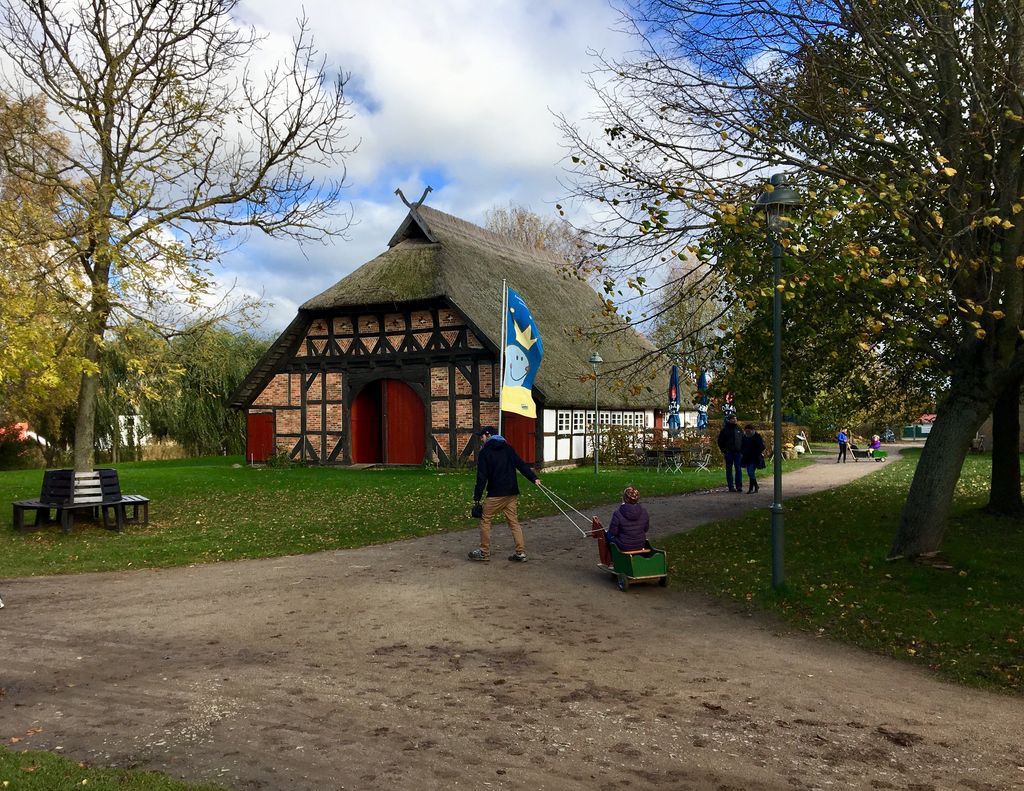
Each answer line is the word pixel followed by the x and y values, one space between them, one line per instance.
pixel 479 554
pixel 518 557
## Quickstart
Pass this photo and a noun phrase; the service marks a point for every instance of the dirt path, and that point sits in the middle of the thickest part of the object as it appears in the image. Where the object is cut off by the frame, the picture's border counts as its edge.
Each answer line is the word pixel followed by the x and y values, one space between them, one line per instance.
pixel 407 667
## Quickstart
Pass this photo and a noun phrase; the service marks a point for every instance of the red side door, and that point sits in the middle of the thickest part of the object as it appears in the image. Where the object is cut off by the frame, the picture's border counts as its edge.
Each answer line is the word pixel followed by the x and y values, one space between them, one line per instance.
pixel 365 421
pixel 259 437
pixel 404 424
pixel 521 433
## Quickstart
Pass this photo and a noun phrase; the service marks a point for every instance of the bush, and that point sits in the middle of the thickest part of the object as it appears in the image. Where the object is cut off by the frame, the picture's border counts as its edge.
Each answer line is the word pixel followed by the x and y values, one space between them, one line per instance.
pixel 20 454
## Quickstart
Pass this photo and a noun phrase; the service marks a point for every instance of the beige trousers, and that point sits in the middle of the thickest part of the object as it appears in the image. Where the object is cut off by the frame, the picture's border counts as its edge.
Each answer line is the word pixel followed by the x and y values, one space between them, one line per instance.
pixel 509 506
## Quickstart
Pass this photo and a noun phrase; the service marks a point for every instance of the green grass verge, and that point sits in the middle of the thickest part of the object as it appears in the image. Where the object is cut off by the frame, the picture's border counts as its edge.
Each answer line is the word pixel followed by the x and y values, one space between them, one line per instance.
pixel 32 770
pixel 961 616
pixel 210 510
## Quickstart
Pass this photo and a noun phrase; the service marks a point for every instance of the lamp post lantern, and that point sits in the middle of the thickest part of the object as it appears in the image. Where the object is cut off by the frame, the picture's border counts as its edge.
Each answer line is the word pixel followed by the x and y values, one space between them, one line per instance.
pixel 775 204
pixel 595 363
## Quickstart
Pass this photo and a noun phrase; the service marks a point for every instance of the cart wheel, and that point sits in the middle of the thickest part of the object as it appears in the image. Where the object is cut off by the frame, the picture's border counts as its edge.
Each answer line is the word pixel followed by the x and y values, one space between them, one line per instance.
pixel 622 582
pixel 663 582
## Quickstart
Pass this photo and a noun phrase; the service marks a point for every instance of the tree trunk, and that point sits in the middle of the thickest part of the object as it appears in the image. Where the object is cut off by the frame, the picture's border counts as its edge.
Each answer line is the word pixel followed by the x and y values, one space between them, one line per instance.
pixel 926 511
pixel 1004 497
pixel 85 421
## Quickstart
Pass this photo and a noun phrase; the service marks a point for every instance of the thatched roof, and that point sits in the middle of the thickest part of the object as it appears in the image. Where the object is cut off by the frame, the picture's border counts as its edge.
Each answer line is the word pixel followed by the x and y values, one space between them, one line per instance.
pixel 434 255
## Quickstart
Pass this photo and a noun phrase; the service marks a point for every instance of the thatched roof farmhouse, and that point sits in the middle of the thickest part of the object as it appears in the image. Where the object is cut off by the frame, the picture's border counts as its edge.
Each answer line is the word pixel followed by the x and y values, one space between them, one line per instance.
pixel 398 361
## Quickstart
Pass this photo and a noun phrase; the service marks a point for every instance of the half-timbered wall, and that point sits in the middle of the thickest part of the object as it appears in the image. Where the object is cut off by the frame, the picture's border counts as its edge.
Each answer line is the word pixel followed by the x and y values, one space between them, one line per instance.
pixel 569 433
pixel 432 349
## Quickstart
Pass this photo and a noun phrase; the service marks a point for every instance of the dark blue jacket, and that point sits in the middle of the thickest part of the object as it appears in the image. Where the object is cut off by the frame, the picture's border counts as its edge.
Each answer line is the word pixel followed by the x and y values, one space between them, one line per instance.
pixel 496 466
pixel 730 439
pixel 629 526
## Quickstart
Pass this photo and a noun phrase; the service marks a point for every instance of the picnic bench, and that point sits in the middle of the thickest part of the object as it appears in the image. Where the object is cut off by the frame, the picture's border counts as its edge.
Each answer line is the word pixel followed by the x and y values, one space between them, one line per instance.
pixel 64 492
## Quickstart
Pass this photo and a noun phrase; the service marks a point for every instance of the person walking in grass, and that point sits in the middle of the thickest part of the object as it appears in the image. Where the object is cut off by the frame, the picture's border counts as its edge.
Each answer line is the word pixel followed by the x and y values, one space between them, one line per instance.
pixel 496 466
pixel 843 439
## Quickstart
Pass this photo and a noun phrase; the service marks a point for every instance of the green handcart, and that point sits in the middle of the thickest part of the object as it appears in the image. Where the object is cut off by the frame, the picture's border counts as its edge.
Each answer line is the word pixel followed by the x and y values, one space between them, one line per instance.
pixel 649 564
pixel 643 565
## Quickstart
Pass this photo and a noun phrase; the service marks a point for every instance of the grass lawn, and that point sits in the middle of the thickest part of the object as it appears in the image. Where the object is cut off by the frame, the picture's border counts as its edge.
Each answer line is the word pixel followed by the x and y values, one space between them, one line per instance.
pixel 208 510
pixel 961 615
pixel 33 770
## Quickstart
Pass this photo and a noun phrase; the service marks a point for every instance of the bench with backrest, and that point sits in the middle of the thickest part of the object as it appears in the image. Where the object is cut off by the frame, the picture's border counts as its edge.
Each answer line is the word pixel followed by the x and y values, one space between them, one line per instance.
pixel 64 492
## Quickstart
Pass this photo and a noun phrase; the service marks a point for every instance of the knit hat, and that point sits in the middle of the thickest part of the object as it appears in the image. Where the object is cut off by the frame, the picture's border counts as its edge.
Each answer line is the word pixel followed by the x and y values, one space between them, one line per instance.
pixel 630 495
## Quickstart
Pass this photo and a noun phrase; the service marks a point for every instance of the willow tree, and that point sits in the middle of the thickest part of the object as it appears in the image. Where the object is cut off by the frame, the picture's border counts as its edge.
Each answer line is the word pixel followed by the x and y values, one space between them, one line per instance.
pixel 192 409
pixel 175 143
pixel 910 111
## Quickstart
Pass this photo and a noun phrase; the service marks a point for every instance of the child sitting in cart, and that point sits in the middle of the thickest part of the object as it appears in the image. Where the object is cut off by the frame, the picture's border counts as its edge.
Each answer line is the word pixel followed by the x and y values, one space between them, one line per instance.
pixel 630 523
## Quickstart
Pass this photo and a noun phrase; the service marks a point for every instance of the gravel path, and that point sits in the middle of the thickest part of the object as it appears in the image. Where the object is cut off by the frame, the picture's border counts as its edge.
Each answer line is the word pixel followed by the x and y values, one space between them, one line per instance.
pixel 406 667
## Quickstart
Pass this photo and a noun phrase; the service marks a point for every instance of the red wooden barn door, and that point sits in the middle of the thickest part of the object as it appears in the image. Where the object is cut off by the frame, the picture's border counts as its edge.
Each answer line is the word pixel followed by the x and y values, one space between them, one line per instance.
pixel 388 424
pixel 404 424
pixel 521 433
pixel 259 437
pixel 365 421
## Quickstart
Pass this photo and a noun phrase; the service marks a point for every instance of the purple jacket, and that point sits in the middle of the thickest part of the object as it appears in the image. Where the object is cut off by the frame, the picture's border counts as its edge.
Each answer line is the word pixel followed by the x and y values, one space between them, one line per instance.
pixel 629 526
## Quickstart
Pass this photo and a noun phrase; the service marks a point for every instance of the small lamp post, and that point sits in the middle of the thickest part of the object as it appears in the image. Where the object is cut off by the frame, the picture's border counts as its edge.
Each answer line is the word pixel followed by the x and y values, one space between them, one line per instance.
pixel 595 363
pixel 775 204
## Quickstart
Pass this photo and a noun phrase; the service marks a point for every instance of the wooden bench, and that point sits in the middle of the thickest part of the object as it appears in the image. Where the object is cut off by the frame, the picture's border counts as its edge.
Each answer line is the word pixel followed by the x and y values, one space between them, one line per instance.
pixel 64 492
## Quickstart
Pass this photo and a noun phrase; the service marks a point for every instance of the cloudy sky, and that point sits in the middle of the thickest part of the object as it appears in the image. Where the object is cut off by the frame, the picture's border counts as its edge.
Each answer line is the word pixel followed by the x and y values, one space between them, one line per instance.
pixel 457 94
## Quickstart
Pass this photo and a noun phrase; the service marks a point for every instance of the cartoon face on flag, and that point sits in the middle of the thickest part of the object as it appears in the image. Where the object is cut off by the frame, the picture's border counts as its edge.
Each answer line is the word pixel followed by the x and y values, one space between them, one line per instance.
pixel 523 353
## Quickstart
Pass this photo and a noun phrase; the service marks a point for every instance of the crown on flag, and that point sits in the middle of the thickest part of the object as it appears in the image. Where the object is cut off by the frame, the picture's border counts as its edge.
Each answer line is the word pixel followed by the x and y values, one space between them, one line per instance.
pixel 524 337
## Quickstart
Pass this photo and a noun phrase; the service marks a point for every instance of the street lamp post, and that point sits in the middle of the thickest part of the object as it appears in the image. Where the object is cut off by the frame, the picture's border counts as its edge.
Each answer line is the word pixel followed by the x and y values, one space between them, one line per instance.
pixel 595 363
pixel 775 203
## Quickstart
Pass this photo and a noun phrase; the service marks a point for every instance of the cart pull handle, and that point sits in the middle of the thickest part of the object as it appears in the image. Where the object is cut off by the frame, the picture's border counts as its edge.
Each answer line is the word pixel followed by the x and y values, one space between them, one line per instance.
pixel 558 502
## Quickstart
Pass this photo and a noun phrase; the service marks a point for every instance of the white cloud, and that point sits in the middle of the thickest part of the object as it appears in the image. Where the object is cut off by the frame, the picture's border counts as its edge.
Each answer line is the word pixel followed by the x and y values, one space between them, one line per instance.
pixel 455 93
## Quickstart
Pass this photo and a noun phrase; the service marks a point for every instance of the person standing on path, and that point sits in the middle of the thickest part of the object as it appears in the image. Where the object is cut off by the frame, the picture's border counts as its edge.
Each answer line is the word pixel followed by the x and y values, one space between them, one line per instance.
pixel 752 455
pixel 843 439
pixel 496 466
pixel 730 440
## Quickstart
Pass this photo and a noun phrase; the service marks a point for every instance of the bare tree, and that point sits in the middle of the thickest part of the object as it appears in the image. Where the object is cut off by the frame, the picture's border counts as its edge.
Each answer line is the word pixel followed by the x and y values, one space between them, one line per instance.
pixel 174 145
pixel 688 315
pixel 909 111
pixel 522 225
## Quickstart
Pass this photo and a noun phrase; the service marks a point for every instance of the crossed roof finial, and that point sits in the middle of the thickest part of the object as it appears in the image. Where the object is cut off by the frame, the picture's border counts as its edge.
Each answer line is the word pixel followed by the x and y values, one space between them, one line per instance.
pixel 418 203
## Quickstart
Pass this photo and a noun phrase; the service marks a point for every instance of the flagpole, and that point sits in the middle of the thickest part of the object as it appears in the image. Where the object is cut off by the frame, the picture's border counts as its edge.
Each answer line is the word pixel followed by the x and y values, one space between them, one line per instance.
pixel 504 342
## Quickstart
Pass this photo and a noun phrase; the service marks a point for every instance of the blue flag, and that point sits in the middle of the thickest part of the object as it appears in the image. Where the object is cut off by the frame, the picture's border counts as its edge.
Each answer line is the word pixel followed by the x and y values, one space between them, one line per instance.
pixel 673 399
pixel 523 353
pixel 703 402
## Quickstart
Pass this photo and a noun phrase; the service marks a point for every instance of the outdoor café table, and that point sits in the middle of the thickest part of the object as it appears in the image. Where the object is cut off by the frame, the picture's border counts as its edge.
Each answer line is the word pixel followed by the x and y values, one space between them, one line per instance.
pixel 699 458
pixel 666 459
